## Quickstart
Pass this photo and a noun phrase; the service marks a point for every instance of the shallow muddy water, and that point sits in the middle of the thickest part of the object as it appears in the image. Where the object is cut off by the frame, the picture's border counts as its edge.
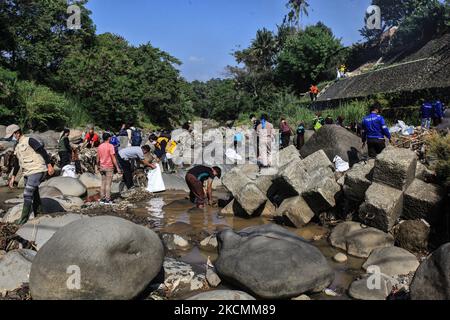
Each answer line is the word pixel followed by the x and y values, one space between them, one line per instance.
pixel 173 213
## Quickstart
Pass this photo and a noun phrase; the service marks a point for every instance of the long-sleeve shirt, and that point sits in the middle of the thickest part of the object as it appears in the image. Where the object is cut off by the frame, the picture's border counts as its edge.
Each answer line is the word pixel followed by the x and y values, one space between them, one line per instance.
pixel 426 110
pixel 438 109
pixel 374 127
pixel 38 148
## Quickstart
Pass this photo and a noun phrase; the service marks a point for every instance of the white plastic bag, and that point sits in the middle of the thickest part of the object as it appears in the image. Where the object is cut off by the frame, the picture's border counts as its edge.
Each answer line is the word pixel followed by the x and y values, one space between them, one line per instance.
pixel 155 180
pixel 341 165
pixel 233 155
pixel 69 171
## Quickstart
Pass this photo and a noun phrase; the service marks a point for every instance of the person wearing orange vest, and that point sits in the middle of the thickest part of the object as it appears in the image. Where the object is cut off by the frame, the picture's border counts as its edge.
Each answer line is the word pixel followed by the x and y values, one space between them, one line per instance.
pixel 313 92
pixel 35 162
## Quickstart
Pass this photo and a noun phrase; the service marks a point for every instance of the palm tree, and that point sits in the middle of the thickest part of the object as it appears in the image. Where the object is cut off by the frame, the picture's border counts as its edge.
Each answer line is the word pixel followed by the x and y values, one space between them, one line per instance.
pixel 298 9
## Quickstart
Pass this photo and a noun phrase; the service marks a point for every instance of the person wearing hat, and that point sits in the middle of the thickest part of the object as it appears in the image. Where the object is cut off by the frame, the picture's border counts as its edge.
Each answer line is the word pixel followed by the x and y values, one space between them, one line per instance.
pixel 34 160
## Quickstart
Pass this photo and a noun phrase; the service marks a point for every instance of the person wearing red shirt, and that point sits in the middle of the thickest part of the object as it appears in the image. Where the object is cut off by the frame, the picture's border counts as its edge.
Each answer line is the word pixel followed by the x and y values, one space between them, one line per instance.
pixel 91 140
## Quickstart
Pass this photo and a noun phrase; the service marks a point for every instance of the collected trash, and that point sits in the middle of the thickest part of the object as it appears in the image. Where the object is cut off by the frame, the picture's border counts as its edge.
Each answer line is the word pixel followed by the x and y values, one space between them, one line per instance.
pixel 69 171
pixel 155 180
pixel 402 128
pixel 233 155
pixel 341 165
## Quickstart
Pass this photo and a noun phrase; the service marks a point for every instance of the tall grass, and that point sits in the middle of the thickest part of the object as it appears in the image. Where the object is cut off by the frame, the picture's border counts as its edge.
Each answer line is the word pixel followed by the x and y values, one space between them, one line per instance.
pixel 78 114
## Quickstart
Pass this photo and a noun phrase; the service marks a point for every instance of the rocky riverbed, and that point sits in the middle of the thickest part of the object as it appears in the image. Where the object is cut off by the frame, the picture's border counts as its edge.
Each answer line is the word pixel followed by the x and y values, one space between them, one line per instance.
pixel 299 230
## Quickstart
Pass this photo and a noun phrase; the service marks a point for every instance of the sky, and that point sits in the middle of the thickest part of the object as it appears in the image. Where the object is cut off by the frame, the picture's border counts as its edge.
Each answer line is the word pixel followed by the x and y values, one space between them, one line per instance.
pixel 204 33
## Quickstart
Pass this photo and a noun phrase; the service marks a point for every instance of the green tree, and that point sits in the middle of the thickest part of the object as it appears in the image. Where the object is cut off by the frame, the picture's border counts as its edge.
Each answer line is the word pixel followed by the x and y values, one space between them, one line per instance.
pixel 306 57
pixel 35 38
pixel 298 8
pixel 105 79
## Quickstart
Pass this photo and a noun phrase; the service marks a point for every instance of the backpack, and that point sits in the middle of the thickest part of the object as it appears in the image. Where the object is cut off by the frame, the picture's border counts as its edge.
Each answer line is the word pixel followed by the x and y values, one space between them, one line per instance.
pixel 136 138
pixel 115 142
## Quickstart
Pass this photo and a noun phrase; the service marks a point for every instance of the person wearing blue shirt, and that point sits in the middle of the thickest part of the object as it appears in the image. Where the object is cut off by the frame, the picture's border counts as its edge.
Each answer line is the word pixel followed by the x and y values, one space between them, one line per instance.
pixel 426 114
pixel 438 112
pixel 374 131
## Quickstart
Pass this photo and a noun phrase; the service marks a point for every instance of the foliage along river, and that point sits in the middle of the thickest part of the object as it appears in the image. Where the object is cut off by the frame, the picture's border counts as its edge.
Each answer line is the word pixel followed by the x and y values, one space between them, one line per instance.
pixel 172 212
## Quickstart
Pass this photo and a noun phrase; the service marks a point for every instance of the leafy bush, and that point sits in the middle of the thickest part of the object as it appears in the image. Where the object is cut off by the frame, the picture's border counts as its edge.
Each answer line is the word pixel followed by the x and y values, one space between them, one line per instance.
pixel 439 150
pixel 40 107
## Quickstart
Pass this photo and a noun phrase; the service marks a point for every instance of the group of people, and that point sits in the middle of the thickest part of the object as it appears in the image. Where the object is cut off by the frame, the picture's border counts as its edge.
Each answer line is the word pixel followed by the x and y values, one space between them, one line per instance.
pixel 431 113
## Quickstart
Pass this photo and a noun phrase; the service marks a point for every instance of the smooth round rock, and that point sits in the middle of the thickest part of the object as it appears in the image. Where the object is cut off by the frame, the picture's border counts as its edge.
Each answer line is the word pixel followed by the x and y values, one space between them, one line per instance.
pixel 271 262
pixel 100 258
pixel 67 185
pixel 340 257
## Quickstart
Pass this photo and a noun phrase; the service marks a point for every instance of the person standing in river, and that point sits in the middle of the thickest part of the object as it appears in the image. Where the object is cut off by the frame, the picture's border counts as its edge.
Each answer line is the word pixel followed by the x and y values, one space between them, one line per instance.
pixel 34 160
pixel 195 179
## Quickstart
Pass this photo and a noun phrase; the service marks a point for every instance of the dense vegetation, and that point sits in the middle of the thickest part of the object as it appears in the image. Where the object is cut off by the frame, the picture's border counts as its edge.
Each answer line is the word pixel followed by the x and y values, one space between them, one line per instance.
pixel 51 76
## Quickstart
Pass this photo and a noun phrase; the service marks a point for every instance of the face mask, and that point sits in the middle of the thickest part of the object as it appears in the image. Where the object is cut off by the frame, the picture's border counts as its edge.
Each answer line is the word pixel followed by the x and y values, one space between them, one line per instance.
pixel 14 138
pixel 153 142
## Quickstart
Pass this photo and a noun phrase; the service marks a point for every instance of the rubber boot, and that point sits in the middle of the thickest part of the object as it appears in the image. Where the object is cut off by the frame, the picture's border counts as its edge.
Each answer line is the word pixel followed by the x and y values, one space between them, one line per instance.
pixel 37 204
pixel 26 211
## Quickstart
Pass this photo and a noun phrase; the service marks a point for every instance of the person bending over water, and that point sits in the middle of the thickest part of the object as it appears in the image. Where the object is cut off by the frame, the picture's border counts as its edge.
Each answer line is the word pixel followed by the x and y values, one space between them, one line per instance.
pixel 195 178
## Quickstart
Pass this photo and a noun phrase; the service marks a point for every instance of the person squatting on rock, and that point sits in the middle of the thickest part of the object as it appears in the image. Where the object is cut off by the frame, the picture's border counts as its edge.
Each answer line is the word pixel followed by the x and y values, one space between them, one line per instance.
pixel 266 133
pixel 106 161
pixel 64 149
pixel 195 179
pixel 35 163
pixel 129 154
pixel 374 131
pixel 91 140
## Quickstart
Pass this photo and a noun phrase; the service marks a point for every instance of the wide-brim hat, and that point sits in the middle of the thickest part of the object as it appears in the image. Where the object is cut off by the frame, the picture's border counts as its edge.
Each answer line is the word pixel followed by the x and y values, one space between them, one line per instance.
pixel 10 130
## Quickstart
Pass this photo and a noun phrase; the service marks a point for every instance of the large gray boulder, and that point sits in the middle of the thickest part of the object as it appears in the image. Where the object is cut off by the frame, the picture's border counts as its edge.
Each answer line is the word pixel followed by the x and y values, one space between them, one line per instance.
pixel 295 177
pixel 423 201
pixel 67 185
pixel 392 261
pixel 272 262
pixel 334 141
pixel 412 235
pixel 227 295
pixel 321 196
pixel 15 269
pixel 296 211
pixel 43 228
pixel 432 278
pixel 382 208
pixel 367 288
pixel 235 180
pixel 49 192
pixel 359 240
pixel 395 167
pixel 286 155
pixel 114 258
pixel 90 181
pixel 358 180
pixel 251 199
